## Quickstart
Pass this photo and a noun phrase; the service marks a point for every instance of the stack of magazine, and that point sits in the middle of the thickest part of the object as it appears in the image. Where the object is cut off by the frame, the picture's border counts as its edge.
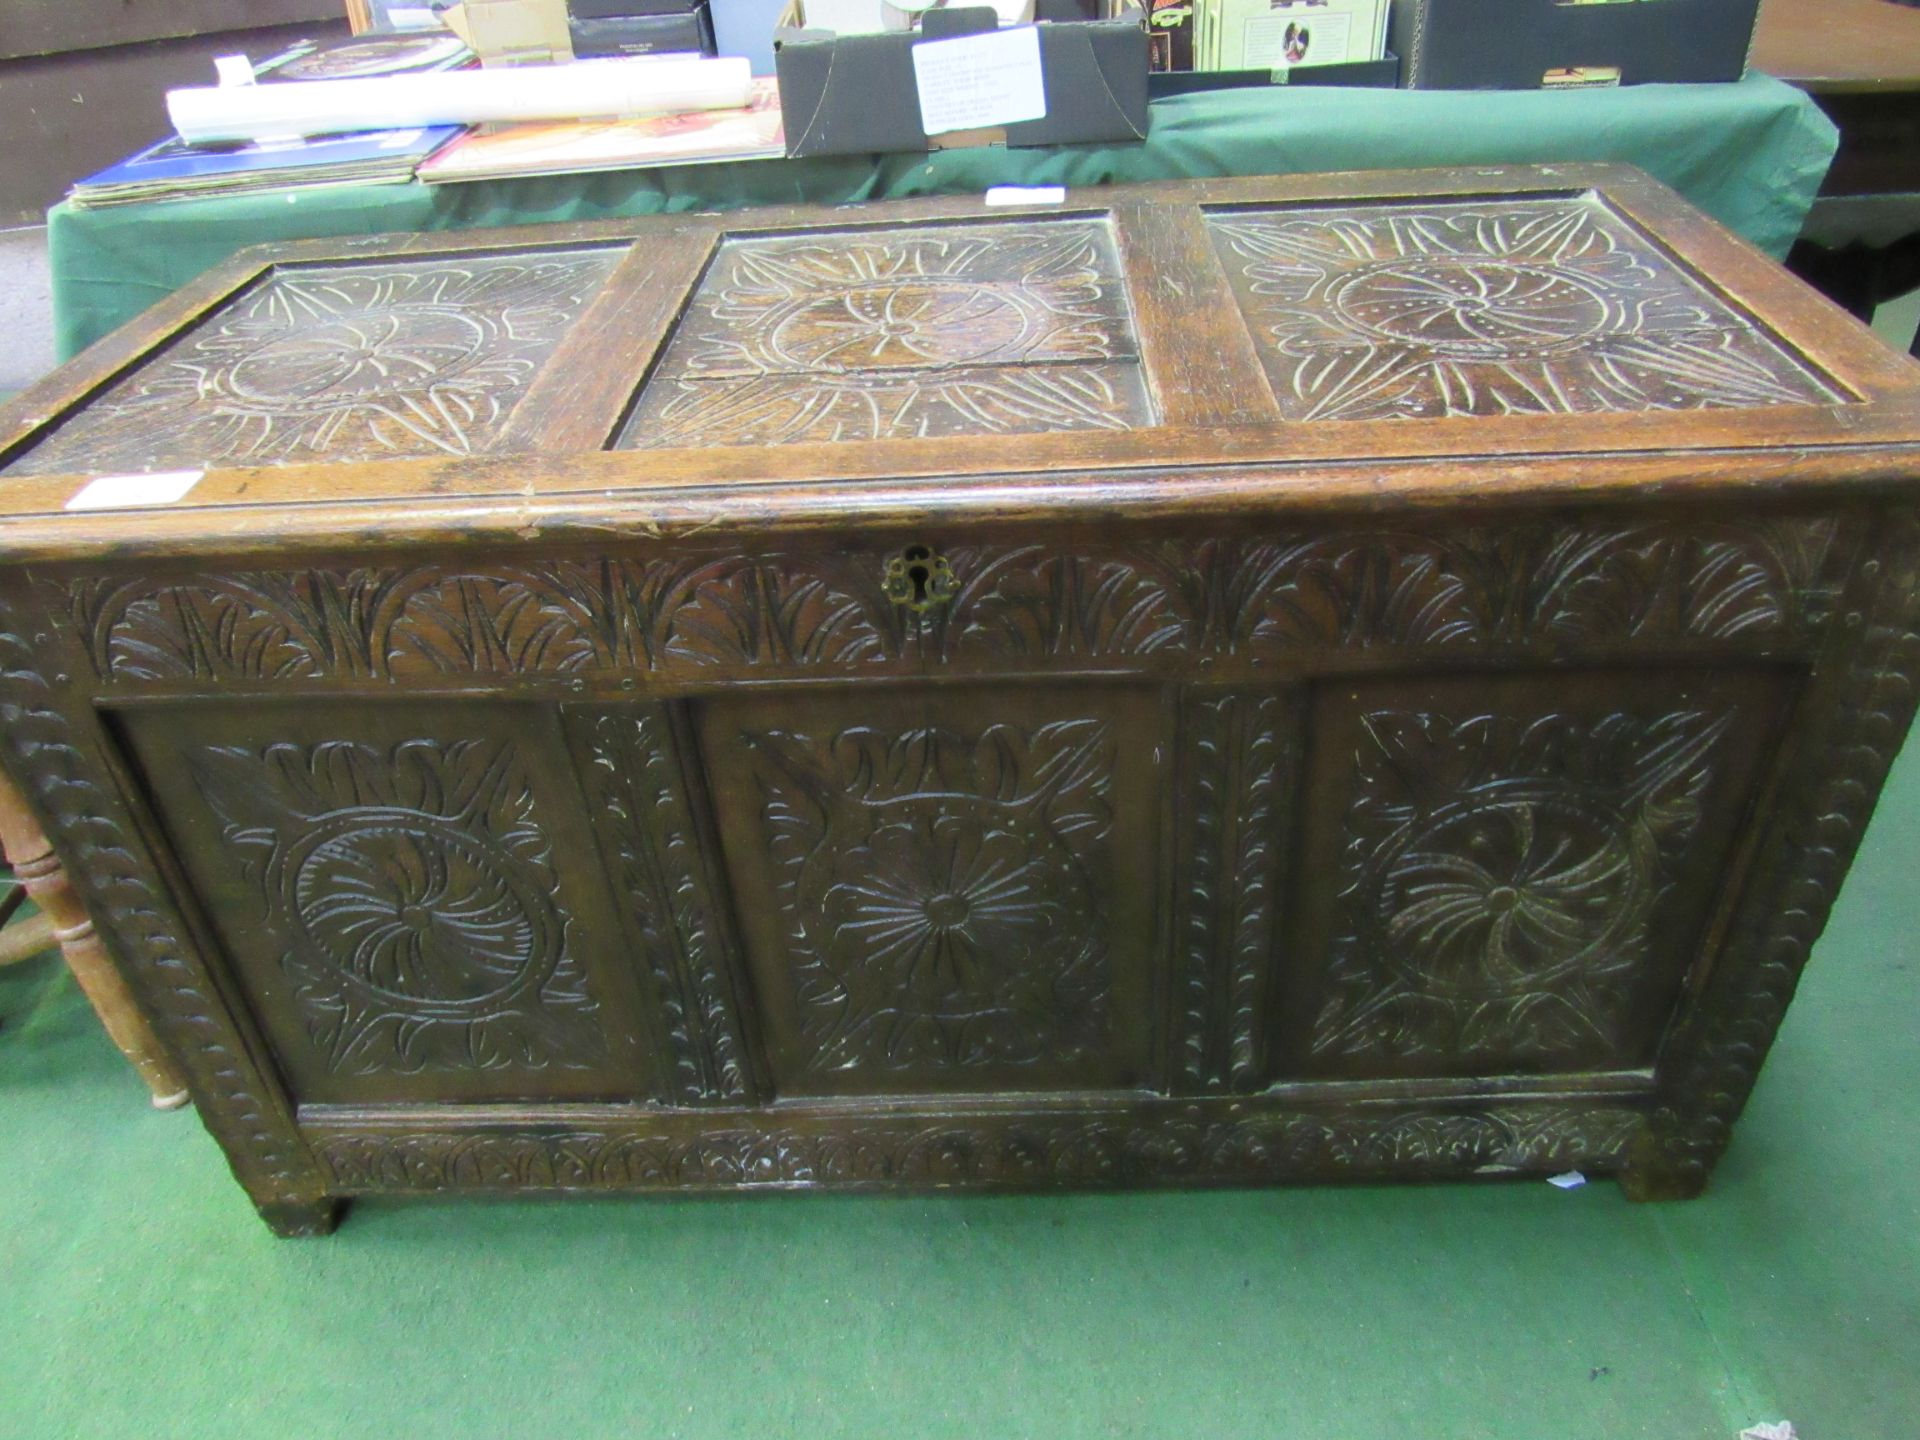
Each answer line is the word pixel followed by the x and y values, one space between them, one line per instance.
pixel 174 169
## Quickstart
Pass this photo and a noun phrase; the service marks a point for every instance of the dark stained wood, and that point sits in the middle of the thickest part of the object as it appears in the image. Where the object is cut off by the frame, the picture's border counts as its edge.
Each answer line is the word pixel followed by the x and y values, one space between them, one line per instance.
pixel 1004 328
pixel 1501 307
pixel 882 697
pixel 1830 46
pixel 1860 60
pixel 395 892
pixel 1522 866
pixel 577 401
pixel 1194 338
pixel 342 362
pixel 948 901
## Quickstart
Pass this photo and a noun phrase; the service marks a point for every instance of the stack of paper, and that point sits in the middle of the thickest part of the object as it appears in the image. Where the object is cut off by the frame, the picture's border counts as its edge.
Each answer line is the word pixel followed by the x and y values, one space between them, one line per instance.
pixel 565 147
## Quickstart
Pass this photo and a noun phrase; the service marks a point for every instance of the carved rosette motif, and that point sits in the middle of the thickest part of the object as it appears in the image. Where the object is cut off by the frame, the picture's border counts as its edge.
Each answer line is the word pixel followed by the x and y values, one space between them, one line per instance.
pixel 1500 880
pixel 1597 582
pixel 1510 307
pixel 386 361
pixel 414 897
pixel 1013 1151
pixel 942 892
pixel 635 780
pixel 946 330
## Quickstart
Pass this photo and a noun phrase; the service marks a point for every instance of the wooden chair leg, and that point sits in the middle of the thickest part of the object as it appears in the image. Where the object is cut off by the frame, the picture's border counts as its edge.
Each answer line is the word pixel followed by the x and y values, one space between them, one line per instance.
pixel 26 939
pixel 39 873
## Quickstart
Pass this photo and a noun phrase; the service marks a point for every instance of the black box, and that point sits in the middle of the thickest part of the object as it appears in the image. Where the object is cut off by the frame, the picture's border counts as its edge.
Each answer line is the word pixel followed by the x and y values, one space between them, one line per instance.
pixel 855 95
pixel 685 32
pixel 621 9
pixel 1514 44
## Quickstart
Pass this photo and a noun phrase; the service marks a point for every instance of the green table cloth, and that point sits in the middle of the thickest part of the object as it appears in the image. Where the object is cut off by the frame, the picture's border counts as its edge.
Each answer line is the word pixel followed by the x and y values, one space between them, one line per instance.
pixel 1751 154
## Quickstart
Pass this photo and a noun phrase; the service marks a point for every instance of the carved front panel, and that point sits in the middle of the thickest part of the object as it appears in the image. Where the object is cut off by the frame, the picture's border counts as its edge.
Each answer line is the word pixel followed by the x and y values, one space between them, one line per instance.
pixel 1514 874
pixel 399 896
pixel 1600 580
pixel 893 334
pixel 944 891
pixel 392 360
pixel 1490 307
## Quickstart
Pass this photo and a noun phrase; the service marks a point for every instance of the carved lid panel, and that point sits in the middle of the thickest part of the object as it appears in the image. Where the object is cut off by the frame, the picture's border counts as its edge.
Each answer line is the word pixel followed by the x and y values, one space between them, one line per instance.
pixel 1489 307
pixel 393 360
pixel 960 329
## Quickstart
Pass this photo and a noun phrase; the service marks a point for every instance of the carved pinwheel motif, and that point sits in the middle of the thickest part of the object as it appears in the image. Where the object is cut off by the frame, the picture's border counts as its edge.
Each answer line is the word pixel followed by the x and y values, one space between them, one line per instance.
pixel 1502 881
pixel 414 897
pixel 368 362
pixel 1522 307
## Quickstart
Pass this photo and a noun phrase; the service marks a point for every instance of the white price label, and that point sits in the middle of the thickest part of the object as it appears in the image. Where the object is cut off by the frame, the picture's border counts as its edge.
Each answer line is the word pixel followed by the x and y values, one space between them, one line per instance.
pixel 1026 195
pixel 974 82
pixel 120 492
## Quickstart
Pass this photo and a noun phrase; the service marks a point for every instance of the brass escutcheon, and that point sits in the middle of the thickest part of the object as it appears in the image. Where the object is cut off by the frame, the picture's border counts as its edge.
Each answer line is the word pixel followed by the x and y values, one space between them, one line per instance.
pixel 919 579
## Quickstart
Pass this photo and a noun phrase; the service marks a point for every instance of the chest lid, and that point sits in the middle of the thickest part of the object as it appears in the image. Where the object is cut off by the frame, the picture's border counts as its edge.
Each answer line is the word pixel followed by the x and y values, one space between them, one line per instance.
pixel 1268 327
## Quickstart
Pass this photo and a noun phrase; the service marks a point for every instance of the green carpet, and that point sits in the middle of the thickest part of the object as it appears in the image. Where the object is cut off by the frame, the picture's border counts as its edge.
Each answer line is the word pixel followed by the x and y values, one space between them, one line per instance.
pixel 139 1296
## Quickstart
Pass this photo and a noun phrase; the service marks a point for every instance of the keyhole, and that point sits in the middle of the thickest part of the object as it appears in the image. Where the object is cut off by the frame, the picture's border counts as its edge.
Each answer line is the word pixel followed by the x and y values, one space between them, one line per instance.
pixel 919 579
pixel 918 571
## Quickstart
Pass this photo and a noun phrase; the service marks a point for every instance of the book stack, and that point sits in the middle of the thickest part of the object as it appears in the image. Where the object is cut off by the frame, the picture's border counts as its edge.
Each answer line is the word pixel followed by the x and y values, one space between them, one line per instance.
pixel 175 170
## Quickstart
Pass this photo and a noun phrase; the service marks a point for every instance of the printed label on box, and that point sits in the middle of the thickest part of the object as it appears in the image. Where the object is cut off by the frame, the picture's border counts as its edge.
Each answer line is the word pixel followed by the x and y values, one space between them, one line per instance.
pixel 974 82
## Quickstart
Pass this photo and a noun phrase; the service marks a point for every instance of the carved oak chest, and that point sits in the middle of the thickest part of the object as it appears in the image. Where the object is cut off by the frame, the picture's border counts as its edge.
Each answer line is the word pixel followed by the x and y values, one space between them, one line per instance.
pixel 1372 676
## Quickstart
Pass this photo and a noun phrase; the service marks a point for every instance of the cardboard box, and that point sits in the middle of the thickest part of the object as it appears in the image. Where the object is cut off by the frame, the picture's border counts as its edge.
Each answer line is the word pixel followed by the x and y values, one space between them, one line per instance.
pixel 1524 44
pixel 687 31
pixel 855 94
pixel 513 32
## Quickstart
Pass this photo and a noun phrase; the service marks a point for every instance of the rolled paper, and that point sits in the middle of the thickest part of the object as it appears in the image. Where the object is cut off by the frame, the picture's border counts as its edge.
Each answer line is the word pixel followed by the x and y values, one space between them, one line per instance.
pixel 585 90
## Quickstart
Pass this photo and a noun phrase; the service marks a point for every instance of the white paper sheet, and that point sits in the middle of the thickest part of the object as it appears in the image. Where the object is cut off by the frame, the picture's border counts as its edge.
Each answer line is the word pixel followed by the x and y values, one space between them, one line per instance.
pixel 973 82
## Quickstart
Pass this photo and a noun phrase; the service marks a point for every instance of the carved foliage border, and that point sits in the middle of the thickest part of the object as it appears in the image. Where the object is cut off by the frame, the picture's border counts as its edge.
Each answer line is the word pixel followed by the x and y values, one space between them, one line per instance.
pixel 1241 754
pixel 1871 679
pixel 57 766
pixel 1007 1151
pixel 634 779
pixel 678 612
